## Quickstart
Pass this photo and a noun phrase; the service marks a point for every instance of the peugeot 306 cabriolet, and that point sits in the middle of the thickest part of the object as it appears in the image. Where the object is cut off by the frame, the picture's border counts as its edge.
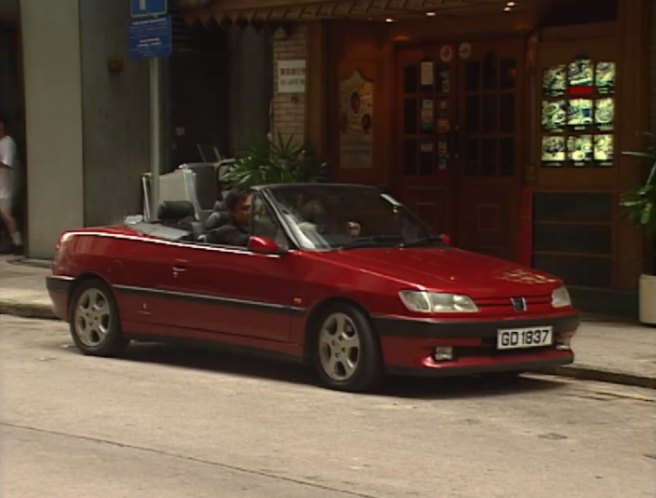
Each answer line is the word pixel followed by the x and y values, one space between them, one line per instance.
pixel 341 277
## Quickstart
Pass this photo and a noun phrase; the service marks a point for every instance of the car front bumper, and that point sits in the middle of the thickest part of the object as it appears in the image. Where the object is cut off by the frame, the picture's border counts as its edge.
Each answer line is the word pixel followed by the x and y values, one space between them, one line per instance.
pixel 408 345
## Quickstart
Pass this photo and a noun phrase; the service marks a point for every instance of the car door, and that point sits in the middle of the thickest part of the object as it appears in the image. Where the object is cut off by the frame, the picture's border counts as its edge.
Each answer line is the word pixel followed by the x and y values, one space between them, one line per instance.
pixel 141 272
pixel 232 290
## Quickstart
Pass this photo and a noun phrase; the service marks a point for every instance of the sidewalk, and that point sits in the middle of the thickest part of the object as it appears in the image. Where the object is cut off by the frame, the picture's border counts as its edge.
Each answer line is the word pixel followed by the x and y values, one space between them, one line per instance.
pixel 606 349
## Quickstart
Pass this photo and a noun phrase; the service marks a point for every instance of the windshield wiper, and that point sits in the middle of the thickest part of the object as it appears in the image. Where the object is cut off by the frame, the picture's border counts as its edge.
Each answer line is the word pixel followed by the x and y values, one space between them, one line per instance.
pixel 371 241
pixel 423 241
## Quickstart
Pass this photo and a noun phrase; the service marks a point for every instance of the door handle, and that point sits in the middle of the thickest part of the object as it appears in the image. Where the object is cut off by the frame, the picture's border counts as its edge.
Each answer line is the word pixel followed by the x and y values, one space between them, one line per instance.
pixel 179 265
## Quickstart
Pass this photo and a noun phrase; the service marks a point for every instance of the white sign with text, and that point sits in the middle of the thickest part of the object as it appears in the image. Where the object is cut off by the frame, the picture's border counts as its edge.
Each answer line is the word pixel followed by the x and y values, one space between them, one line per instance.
pixel 291 76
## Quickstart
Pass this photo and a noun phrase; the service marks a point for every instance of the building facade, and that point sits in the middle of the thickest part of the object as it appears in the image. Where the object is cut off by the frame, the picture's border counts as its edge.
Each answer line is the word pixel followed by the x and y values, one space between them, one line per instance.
pixel 500 123
pixel 79 107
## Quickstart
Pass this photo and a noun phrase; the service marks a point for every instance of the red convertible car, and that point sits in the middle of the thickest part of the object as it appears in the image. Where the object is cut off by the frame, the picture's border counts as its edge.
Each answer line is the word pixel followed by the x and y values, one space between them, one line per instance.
pixel 341 277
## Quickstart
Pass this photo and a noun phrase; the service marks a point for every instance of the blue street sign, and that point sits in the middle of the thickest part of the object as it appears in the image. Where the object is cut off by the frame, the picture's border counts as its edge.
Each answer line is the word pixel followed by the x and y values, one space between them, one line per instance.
pixel 143 8
pixel 150 38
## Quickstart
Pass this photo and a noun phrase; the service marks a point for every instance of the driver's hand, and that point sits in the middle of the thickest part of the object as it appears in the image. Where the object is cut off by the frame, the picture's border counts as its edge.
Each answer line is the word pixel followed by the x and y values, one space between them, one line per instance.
pixel 353 228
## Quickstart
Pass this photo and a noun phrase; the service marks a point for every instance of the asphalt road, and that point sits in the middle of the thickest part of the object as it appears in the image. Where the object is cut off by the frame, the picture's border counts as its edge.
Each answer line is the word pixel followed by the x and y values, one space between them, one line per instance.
pixel 165 422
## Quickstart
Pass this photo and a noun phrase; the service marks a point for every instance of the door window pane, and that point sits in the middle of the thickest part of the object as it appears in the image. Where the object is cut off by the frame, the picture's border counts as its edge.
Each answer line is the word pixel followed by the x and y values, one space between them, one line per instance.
pixel 472 76
pixel 410 116
pixel 489 157
pixel 472 113
pixel 507 157
pixel 490 72
pixel 508 73
pixel 472 157
pixel 489 115
pixel 426 158
pixel 410 157
pixel 507 113
pixel 410 79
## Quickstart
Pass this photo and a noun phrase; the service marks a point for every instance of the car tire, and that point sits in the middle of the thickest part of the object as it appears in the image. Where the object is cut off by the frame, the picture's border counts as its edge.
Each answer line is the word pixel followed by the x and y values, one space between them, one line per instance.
pixel 94 320
pixel 346 352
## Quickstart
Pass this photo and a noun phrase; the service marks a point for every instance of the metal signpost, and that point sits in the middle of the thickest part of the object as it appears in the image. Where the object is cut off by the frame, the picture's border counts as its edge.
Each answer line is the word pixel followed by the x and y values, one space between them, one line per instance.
pixel 150 37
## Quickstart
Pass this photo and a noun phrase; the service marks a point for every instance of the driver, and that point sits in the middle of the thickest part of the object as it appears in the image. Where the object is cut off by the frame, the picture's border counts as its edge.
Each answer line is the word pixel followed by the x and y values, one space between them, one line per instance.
pixel 237 230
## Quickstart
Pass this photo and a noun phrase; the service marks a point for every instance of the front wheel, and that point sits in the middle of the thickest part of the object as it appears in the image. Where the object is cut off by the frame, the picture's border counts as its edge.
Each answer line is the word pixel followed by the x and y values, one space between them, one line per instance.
pixel 94 320
pixel 346 351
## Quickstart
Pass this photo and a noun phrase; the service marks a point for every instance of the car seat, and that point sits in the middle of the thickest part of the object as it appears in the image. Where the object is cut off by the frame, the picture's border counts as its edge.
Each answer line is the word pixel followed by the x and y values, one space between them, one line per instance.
pixel 180 214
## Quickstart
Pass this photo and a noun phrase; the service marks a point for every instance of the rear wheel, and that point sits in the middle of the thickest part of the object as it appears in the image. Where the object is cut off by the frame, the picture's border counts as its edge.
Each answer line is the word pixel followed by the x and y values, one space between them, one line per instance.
pixel 94 320
pixel 346 351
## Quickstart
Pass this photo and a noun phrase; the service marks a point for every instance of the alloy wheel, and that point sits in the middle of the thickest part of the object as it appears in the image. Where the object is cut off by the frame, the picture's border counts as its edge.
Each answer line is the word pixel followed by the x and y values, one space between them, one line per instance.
pixel 339 347
pixel 93 317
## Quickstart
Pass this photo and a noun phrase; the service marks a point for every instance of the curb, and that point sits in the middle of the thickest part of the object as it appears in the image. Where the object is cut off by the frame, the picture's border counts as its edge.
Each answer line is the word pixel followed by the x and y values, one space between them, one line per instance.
pixel 27 310
pixel 591 373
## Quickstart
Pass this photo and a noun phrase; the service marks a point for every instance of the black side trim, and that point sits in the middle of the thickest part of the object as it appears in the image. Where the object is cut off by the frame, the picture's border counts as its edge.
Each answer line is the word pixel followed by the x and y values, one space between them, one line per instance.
pixel 455 371
pixel 389 326
pixel 58 284
pixel 218 301
pixel 217 345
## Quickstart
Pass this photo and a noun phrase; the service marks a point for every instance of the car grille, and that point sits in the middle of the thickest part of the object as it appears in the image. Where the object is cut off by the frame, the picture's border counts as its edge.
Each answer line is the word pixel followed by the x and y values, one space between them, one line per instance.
pixel 503 305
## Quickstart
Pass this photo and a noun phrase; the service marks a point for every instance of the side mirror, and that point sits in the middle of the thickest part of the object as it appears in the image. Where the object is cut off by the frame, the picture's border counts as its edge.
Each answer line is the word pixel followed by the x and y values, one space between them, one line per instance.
pixel 264 245
pixel 446 238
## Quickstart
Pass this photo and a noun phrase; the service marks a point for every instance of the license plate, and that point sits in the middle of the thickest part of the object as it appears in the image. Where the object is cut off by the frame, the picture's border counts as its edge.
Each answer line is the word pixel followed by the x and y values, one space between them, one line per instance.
pixel 530 337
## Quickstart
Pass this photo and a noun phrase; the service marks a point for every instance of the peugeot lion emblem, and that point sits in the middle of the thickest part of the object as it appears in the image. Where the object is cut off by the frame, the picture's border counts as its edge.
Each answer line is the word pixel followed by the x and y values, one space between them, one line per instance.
pixel 519 303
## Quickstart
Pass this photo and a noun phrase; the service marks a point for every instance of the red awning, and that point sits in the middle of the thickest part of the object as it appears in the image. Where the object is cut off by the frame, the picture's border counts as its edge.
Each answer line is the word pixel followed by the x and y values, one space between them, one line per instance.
pixel 222 11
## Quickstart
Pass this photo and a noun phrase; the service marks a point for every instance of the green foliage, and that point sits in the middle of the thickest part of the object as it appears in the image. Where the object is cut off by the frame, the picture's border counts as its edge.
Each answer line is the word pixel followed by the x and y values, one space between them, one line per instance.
pixel 276 161
pixel 640 203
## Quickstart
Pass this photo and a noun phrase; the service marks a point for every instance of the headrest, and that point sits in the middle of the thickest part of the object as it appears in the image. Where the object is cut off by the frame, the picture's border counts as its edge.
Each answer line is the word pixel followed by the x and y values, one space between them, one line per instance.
pixel 173 211
pixel 216 219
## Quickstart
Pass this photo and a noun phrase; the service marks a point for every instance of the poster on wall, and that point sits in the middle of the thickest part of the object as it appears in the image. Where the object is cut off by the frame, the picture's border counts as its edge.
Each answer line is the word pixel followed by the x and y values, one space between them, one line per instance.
pixel 603 150
pixel 579 114
pixel 553 151
pixel 580 77
pixel 605 77
pixel 356 97
pixel 579 150
pixel 554 115
pixel 554 80
pixel 604 114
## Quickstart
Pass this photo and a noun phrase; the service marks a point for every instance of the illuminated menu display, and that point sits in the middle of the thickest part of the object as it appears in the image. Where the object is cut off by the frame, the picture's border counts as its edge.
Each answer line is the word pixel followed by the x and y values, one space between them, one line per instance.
pixel 578 114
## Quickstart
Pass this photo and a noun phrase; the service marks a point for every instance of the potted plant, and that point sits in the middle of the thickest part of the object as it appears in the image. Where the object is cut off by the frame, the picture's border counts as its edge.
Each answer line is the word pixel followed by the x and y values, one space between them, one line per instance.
pixel 640 207
pixel 280 160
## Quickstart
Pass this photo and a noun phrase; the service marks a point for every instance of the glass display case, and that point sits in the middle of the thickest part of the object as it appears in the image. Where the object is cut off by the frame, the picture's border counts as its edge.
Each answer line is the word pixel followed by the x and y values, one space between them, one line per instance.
pixel 578 114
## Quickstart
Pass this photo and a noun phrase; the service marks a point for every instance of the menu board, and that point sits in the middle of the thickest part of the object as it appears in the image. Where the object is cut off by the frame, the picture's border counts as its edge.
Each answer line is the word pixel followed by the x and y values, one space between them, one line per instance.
pixel 554 81
pixel 578 114
pixel 579 150
pixel 554 115
pixel 605 77
pixel 553 151
pixel 603 150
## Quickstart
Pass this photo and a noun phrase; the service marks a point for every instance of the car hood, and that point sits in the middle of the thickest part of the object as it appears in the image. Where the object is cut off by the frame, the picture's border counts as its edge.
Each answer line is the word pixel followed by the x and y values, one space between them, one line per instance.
pixel 447 269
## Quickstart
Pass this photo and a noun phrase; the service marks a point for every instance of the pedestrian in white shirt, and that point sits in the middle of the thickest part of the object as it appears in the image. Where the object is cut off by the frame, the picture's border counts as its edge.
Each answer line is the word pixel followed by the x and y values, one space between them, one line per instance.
pixel 8 184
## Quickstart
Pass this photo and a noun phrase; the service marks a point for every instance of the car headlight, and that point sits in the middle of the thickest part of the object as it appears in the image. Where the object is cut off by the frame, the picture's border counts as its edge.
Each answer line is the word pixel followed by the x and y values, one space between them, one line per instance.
pixel 437 302
pixel 560 298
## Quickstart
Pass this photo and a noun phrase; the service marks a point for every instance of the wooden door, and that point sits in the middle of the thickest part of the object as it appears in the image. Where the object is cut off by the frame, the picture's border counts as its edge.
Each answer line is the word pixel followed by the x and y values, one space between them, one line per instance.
pixel 459 140
pixel 426 115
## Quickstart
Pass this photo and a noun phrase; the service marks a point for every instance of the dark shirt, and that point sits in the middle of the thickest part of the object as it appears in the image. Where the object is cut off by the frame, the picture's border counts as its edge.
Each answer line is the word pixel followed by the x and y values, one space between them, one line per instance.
pixel 232 233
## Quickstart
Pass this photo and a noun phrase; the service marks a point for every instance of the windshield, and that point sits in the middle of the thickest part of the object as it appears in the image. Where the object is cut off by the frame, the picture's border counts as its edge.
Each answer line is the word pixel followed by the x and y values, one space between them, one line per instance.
pixel 349 217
